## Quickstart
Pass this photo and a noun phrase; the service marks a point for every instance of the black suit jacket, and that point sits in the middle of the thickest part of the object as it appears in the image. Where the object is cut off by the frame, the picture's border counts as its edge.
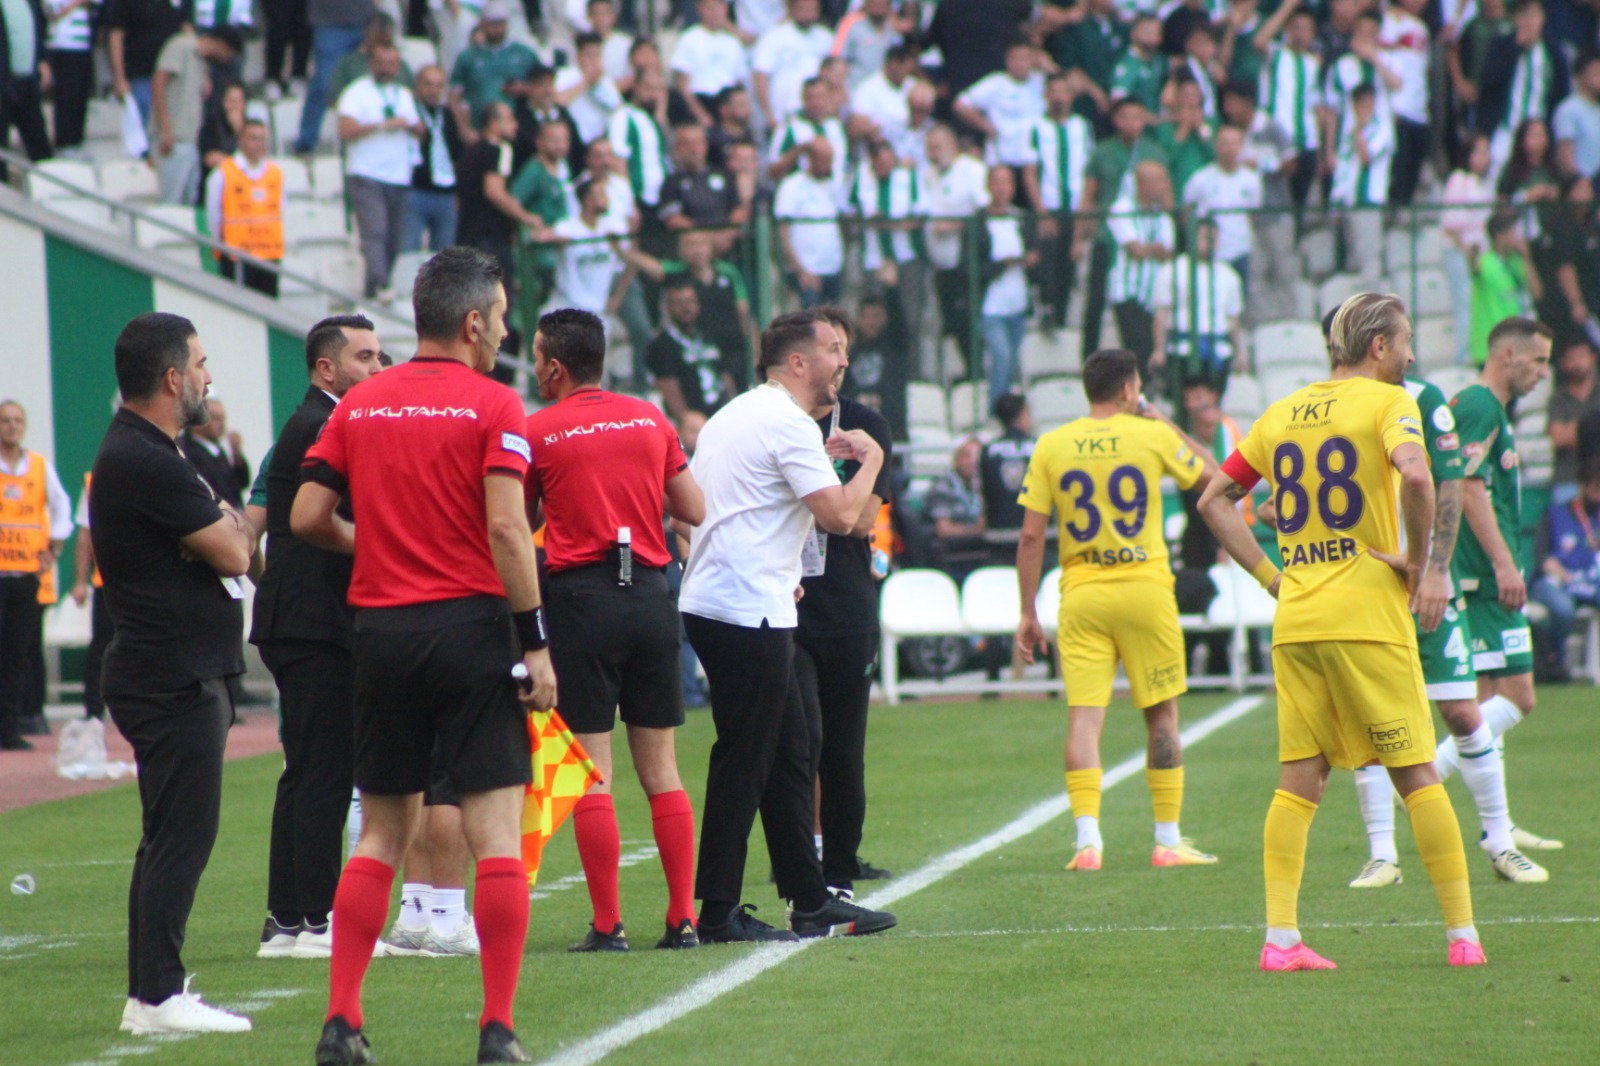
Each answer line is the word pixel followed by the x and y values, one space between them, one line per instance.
pixel 230 479
pixel 304 594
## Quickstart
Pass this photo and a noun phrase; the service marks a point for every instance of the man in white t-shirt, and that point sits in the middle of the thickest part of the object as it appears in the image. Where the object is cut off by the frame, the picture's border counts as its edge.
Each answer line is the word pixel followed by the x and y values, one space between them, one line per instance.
pixel 586 90
pixel 772 495
pixel 1222 191
pixel 1198 300
pixel 808 208
pixel 589 267
pixel 1003 106
pixel 710 56
pixel 1404 39
pixel 880 107
pixel 380 129
pixel 955 186
pixel 785 57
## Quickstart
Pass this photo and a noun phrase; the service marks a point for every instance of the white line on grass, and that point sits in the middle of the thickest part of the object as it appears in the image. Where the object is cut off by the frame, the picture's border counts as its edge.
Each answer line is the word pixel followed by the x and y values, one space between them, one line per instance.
pixel 1240 927
pixel 719 983
pixel 561 884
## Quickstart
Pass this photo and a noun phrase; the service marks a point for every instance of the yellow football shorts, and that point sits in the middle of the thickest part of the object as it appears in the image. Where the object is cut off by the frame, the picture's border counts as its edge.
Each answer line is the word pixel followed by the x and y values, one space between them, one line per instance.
pixel 1134 621
pixel 1352 702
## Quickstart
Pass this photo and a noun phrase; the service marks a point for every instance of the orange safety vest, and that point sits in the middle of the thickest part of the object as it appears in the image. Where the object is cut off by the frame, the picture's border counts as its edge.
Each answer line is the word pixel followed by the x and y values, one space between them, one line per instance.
pixel 95 580
pixel 24 517
pixel 252 211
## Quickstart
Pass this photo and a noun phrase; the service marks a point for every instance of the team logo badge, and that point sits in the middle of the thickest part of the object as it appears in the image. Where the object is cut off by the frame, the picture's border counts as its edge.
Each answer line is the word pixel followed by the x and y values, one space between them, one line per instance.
pixel 1508 460
pixel 1443 420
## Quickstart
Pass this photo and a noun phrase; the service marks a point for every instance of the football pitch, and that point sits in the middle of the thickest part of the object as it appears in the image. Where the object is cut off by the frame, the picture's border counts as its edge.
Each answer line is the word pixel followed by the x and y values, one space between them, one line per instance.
pixel 1000 955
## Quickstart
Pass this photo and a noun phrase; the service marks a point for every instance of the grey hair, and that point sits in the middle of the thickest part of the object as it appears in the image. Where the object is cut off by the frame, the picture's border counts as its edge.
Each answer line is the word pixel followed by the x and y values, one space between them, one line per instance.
pixel 449 287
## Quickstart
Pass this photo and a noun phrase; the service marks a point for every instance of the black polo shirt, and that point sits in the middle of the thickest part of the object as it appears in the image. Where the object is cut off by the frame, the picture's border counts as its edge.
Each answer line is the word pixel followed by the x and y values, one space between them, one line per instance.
pixel 147 25
pixel 1004 465
pixel 707 197
pixel 176 621
pixel 843 599
pixel 697 363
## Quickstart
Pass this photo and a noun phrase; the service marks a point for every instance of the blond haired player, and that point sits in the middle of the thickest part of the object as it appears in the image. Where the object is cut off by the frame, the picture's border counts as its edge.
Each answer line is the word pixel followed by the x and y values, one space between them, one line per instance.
pixel 1345 457
pixel 1101 475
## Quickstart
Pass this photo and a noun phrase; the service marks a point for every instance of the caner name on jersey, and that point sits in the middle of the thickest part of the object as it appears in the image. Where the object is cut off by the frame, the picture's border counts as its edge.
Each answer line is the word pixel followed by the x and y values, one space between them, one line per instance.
pixel 1320 551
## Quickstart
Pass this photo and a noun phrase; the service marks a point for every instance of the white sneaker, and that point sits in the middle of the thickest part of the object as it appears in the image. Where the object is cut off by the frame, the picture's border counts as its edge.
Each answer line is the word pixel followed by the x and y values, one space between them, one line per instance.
pixel 401 942
pixel 313 943
pixel 1378 873
pixel 187 1013
pixel 277 941
pixel 464 941
pixel 130 1014
pixel 1523 840
pixel 1514 866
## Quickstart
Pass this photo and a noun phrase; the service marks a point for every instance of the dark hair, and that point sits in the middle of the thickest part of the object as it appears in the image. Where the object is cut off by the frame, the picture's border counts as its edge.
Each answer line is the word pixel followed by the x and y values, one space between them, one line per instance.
pixel 1525 5
pixel 585 186
pixel 385 360
pixel 1372 16
pixel 1009 407
pixel 1518 328
pixel 1363 92
pixel 449 287
pixel 901 52
pixel 1019 41
pixel 1143 16
pixel 575 339
pixel 1501 221
pixel 327 338
pixel 1242 88
pixel 679 281
pixel 724 94
pixel 380 21
pixel 591 3
pixel 795 331
pixel 540 73
pixel 1521 163
pixel 148 347
pixel 1106 371
pixel 837 317
pixel 1123 103
pixel 225 35
pixel 1199 29
pixel 490 111
pixel 383 46
pixel 1463 155
pixel 1327 325
pixel 814 80
pixel 584 40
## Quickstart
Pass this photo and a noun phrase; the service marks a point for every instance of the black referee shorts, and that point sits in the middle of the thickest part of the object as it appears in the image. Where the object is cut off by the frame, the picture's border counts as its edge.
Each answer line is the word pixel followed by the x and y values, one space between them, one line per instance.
pixel 434 696
pixel 614 647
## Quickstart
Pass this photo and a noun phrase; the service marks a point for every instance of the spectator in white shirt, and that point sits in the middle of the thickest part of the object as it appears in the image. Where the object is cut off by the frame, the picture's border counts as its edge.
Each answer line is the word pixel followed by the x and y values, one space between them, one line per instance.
pixel 816 119
pixel 956 187
pixel 590 271
pixel 1576 123
pixel 807 210
pixel 1404 39
pixel 379 127
pixel 1141 228
pixel 1361 181
pixel 888 195
pixel 1224 192
pixel 710 56
pixel 785 57
pixel 1005 294
pixel 1363 65
pixel 1060 143
pixel 601 19
pixel 1198 301
pixel 1002 106
pixel 587 91
pixel 880 106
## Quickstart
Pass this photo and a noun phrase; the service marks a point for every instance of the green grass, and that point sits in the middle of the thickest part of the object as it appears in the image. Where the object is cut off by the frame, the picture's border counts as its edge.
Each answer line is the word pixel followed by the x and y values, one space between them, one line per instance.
pixel 1008 959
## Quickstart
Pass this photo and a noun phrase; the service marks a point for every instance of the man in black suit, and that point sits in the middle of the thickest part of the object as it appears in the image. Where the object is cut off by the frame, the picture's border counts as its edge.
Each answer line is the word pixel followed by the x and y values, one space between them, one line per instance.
pixel 305 627
pixel 218 455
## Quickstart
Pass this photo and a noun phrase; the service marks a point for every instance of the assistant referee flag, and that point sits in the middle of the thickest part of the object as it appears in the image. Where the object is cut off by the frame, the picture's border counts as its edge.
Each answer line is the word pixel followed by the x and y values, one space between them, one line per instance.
pixel 562 773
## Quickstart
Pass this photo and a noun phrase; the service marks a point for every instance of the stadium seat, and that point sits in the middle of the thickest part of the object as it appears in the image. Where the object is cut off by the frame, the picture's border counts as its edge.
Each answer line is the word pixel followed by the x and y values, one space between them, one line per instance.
pixel 286 125
pixel 86 212
pixel 1588 630
pixel 1279 381
pixel 1426 293
pixel 1056 401
pixel 989 601
pixel 404 273
pixel 75 179
pixel 166 243
pixel 914 603
pixel 1435 342
pixel 1536 454
pixel 1319 253
pixel 930 450
pixel 103 122
pixel 418 52
pixel 296 178
pixel 125 180
pixel 1452 379
pixel 1336 290
pixel 1245 398
pixel 343 270
pixel 314 221
pixel 1046 356
pixel 1273 343
pixel 1048 603
pixel 925 406
pixel 327 177
pixel 1398 248
pixel 969 407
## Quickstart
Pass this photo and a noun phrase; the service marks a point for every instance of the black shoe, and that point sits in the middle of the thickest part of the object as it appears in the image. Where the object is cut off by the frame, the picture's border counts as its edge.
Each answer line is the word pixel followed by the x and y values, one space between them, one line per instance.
pixel 342 1045
pixel 15 744
pixel 496 1043
pixel 865 871
pixel 679 938
pixel 34 725
pixel 741 928
pixel 840 917
pixel 595 940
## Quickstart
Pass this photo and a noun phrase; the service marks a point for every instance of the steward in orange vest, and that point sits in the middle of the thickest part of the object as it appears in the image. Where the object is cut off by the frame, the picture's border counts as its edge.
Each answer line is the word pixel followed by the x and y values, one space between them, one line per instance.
pixel 244 207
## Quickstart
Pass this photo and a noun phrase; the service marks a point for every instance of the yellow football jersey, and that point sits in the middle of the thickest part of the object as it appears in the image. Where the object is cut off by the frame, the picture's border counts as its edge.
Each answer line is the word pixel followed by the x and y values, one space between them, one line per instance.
pixel 1102 477
pixel 1326 451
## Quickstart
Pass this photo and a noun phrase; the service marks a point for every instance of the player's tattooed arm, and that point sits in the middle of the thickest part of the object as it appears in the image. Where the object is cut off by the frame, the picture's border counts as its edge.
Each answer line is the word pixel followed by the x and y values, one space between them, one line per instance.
pixel 1235 491
pixel 1448 499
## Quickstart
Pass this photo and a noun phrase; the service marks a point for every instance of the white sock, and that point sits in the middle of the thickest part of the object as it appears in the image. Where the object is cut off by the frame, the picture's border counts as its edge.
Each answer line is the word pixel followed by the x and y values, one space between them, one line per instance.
pixel 1376 794
pixel 1468 932
pixel 1447 758
pixel 1282 938
pixel 1484 773
pixel 449 910
pixel 1089 833
pixel 352 822
pixel 1500 715
pixel 415 901
pixel 1167 834
pixel 817 839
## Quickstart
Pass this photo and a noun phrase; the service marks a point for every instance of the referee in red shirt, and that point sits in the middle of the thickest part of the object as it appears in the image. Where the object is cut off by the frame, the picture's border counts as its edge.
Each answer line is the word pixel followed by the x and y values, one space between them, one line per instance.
pixel 603 466
pixel 432 454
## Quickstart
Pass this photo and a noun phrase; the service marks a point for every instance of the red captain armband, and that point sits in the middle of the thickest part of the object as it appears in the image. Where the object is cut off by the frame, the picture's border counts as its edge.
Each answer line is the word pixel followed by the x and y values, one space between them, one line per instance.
pixel 1242 473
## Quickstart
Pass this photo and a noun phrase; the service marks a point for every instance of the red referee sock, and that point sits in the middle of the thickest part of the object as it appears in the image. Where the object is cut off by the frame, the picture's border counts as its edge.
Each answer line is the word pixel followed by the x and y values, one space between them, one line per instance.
pixel 594 823
pixel 359 907
pixel 672 817
pixel 501 903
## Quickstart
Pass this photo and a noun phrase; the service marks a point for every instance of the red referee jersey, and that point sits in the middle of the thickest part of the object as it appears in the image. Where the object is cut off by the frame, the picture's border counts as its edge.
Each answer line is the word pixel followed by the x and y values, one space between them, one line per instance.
pixel 601 461
pixel 414 444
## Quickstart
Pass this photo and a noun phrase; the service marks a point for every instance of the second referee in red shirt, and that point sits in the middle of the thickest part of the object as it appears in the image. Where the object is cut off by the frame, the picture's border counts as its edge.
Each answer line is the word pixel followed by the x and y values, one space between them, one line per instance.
pixel 603 466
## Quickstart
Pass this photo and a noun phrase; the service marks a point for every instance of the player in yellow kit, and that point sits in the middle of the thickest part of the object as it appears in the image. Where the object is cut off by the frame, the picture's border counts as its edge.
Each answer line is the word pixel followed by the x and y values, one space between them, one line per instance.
pixel 1345 457
pixel 1102 477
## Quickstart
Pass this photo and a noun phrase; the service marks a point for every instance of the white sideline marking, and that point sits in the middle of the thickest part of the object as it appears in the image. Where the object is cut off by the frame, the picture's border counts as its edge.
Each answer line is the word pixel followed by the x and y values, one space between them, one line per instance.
pixel 561 884
pixel 1244 927
pixel 760 959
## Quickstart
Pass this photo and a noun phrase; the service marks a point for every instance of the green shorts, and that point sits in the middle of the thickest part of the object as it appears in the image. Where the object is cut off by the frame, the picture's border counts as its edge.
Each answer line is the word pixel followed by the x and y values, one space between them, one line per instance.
pixel 1446 656
pixel 1502 643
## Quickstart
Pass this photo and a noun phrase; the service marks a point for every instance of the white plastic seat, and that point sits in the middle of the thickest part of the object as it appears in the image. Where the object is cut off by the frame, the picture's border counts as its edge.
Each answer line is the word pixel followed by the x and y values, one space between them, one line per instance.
pixel 85 211
pixel 1045 356
pixel 75 177
pixel 914 603
pixel 1048 603
pixel 286 124
pixel 1245 398
pixel 1432 293
pixel 989 603
pixel 1274 343
pixel 404 273
pixel 930 450
pixel 1435 342
pixel 177 246
pixel 418 52
pixel 343 270
pixel 969 407
pixel 312 221
pixel 1279 381
pixel 123 180
pixel 296 178
pixel 1336 290
pixel 1319 253
pixel 327 177
pixel 925 406
pixel 1056 401
pixel 1452 379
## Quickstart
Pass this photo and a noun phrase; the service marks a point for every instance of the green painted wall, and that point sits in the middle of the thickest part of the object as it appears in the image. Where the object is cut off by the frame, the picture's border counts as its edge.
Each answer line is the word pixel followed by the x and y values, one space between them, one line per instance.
pixel 286 358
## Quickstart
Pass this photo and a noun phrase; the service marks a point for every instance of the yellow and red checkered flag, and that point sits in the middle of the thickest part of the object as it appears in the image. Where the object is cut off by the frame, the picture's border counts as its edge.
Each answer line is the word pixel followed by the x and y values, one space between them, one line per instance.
pixel 562 773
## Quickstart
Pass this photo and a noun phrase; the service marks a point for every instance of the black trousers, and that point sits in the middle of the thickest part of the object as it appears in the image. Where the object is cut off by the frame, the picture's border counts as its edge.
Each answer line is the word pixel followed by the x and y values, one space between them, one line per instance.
pixel 101 630
pixel 178 739
pixel 74 82
pixel 316 701
pixel 1137 325
pixel 761 761
pixel 955 312
pixel 1056 271
pixel 1411 141
pixel 1300 182
pixel 833 678
pixel 262 281
pixel 22 107
pixel 19 637
pixel 287 28
pixel 1094 297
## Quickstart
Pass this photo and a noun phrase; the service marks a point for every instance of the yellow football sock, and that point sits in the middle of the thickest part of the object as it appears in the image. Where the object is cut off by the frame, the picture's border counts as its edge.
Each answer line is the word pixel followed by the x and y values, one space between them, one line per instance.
pixel 1166 793
pixel 1083 789
pixel 1284 856
pixel 1433 823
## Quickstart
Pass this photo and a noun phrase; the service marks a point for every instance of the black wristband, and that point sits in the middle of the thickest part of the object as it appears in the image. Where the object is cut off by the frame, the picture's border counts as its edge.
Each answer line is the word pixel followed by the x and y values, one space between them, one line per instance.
pixel 531 631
